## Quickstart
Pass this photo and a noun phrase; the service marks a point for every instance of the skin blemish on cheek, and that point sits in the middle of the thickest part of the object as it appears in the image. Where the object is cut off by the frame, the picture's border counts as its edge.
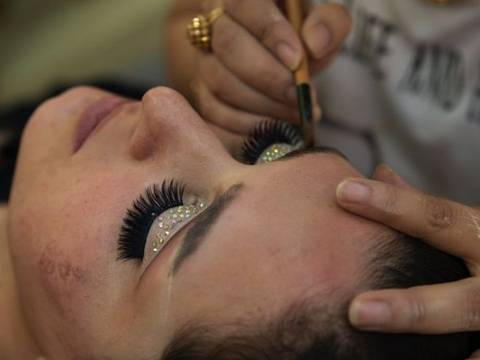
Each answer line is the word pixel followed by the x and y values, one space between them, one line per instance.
pixel 60 277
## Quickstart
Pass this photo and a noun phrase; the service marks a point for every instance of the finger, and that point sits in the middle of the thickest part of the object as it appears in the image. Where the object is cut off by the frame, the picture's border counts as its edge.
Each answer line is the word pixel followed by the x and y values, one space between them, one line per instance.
pixel 269 26
pixel 251 62
pixel 325 29
pixel 228 88
pixel 447 225
pixel 232 142
pixel 433 309
pixel 223 115
pixel 385 173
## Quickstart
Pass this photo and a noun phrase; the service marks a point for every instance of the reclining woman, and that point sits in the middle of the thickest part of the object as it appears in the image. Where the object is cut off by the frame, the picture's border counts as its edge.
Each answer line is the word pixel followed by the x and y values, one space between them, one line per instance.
pixel 133 234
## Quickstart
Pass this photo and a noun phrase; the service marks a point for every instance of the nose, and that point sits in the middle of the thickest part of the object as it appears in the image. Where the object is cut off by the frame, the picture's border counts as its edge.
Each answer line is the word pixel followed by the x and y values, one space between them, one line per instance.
pixel 170 129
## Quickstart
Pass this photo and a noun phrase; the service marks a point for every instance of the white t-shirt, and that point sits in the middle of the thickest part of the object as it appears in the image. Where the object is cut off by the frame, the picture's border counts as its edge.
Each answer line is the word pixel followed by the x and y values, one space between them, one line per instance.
pixel 405 90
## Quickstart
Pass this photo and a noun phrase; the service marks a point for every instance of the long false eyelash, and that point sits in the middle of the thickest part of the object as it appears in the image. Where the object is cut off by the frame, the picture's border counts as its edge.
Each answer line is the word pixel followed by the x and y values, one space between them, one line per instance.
pixel 144 211
pixel 267 133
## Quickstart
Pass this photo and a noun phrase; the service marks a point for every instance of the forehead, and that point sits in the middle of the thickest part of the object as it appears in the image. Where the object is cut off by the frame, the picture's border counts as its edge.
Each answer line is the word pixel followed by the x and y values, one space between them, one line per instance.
pixel 311 178
pixel 283 235
pixel 291 205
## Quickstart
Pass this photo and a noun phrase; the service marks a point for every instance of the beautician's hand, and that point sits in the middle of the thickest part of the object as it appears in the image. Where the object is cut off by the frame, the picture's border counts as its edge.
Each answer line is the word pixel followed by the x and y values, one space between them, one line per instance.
pixel 447 225
pixel 249 74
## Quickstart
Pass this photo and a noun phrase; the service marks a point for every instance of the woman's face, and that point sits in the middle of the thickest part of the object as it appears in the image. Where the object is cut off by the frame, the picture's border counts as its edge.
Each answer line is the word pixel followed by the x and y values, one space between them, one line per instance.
pixel 267 234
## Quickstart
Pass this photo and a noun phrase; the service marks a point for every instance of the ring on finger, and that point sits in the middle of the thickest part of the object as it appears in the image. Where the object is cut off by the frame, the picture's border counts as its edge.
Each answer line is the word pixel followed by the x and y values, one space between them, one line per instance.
pixel 199 30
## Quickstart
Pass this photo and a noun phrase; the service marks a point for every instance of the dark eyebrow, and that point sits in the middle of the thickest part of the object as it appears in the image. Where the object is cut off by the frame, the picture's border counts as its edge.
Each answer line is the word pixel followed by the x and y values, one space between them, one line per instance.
pixel 202 224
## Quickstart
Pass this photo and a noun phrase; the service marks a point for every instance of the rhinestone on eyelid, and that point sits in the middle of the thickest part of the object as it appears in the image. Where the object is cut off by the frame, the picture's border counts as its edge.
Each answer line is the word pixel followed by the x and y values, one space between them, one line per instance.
pixel 168 221
pixel 274 152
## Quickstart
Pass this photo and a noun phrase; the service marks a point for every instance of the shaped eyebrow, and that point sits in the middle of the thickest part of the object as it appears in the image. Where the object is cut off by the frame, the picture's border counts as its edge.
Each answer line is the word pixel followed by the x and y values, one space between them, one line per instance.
pixel 204 222
pixel 202 225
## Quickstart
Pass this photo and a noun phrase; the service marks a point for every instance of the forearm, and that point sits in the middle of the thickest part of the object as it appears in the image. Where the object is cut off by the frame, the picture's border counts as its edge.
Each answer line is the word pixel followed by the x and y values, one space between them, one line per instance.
pixel 180 55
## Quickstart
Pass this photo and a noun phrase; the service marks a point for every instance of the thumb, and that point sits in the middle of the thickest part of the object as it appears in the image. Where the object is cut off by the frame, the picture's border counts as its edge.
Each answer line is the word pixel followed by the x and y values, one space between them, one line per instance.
pixel 325 29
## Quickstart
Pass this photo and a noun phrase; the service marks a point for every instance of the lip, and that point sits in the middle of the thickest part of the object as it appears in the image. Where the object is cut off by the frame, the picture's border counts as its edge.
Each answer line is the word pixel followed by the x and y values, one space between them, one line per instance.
pixel 94 116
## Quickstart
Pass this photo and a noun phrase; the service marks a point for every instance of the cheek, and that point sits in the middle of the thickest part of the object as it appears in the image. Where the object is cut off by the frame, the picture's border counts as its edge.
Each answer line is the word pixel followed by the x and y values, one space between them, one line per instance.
pixel 60 245
pixel 62 278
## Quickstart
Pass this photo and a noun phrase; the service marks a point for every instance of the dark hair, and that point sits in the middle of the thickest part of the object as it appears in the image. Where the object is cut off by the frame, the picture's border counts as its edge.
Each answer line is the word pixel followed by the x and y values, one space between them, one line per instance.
pixel 318 329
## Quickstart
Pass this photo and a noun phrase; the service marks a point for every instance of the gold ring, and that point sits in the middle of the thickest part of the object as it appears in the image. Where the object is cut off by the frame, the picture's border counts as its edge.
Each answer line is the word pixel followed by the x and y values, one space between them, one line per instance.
pixel 199 31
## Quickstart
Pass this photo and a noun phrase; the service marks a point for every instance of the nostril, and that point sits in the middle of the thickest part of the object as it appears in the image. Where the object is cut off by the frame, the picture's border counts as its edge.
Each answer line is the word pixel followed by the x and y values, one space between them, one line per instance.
pixel 142 145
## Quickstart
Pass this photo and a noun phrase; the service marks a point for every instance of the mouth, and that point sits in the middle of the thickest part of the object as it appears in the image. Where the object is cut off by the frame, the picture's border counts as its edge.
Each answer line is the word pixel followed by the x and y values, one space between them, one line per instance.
pixel 95 115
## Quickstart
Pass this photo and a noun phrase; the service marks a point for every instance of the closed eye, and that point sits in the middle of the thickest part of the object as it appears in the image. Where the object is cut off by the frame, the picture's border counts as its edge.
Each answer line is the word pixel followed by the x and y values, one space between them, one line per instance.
pixel 313 150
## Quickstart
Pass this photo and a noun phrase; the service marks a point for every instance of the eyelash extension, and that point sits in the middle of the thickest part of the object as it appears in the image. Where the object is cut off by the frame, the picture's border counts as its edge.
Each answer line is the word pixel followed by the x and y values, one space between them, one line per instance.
pixel 267 133
pixel 144 211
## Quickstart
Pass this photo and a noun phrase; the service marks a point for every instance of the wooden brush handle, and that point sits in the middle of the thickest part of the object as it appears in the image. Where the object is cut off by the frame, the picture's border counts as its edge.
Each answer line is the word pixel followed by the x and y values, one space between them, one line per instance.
pixel 295 16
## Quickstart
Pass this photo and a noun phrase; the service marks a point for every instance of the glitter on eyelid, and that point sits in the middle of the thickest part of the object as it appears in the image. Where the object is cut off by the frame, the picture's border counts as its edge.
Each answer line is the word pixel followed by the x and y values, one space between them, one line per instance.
pixel 274 152
pixel 169 223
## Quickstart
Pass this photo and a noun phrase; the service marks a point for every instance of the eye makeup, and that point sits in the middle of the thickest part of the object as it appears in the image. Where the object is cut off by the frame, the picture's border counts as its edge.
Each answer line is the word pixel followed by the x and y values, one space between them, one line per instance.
pixel 271 140
pixel 274 152
pixel 170 222
pixel 162 211
pixel 158 214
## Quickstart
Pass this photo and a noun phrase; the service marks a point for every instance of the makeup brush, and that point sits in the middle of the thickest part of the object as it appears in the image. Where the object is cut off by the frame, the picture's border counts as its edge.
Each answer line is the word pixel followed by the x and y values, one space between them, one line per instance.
pixel 302 77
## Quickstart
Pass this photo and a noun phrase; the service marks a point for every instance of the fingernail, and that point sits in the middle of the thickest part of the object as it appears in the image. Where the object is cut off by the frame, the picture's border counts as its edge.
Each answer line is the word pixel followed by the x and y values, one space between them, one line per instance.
pixel 288 55
pixel 319 40
pixel 353 191
pixel 291 95
pixel 369 314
